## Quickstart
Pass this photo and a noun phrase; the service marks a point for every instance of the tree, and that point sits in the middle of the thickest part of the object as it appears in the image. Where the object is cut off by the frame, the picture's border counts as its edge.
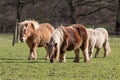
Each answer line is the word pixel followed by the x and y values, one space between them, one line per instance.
pixel 117 28
pixel 19 6
pixel 72 11
pixel 93 5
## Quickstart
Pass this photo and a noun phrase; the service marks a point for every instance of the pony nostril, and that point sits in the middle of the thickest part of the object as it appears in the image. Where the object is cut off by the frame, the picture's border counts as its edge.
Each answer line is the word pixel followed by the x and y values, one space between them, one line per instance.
pixel 22 39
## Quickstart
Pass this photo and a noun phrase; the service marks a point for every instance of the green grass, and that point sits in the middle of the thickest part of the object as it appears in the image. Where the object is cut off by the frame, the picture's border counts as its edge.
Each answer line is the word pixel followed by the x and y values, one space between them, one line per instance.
pixel 15 66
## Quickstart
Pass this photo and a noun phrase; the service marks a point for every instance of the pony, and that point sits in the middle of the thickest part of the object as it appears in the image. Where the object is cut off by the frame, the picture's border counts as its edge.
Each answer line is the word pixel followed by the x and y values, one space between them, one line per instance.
pixel 97 38
pixel 35 35
pixel 68 38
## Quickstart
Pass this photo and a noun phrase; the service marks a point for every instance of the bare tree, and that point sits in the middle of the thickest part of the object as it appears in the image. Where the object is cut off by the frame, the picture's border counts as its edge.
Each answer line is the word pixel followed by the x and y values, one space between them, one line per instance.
pixel 20 4
pixel 72 11
pixel 92 5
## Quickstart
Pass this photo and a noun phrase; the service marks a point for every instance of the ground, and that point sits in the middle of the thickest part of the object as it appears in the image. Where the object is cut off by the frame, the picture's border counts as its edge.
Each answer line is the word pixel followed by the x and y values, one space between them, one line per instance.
pixel 15 66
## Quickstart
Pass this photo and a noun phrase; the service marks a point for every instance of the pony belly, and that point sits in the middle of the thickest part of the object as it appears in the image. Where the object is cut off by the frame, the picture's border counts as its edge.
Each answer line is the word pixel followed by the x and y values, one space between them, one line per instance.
pixel 73 47
pixel 99 44
pixel 100 41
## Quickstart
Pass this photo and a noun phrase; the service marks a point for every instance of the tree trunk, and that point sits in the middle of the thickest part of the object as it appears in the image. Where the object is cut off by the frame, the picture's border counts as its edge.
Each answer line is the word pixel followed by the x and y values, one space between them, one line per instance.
pixel 117 28
pixel 15 37
pixel 72 11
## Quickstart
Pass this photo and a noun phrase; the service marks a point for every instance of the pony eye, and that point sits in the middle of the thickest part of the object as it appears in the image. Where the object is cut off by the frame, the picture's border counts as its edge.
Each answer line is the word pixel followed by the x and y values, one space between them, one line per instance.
pixel 24 30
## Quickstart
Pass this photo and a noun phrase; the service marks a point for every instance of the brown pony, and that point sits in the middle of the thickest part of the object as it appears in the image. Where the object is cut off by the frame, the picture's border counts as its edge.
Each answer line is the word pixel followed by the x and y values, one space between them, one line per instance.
pixel 69 38
pixel 35 35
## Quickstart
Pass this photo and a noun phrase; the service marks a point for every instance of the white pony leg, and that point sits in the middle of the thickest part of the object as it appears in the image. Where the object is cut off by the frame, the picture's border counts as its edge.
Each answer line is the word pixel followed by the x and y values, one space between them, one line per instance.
pixel 91 48
pixel 86 55
pixel 106 49
pixel 57 54
pixel 97 52
pixel 91 52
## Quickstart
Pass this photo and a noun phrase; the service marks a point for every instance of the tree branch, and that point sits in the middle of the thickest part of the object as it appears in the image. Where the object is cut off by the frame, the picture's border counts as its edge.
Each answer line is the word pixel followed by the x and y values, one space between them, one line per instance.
pixel 82 3
pixel 56 6
pixel 15 3
pixel 91 12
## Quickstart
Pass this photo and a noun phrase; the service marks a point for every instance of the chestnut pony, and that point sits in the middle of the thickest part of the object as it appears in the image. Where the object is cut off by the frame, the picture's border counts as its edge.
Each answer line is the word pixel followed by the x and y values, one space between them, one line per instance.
pixel 97 38
pixel 69 38
pixel 35 35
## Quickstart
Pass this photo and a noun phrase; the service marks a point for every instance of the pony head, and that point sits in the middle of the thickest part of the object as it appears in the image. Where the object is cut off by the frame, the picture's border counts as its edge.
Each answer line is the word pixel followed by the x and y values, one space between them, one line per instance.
pixel 53 47
pixel 51 50
pixel 26 28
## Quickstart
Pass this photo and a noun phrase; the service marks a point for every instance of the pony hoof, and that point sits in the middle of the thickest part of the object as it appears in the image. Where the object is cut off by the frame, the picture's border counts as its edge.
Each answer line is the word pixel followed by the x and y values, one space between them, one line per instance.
pixel 86 61
pixel 46 58
pixel 76 61
pixel 31 58
pixel 51 60
pixel 62 61
pixel 104 56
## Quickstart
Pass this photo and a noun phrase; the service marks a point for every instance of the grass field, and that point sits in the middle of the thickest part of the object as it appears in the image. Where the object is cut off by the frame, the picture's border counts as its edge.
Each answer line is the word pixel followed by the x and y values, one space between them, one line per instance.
pixel 15 66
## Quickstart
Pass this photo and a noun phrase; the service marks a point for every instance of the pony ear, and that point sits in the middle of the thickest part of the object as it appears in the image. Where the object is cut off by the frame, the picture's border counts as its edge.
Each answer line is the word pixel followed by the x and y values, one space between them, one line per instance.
pixel 56 44
pixel 31 24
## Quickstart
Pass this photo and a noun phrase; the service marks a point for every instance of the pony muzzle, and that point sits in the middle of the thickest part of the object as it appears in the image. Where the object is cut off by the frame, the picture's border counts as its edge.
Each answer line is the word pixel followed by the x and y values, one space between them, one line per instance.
pixel 51 59
pixel 22 39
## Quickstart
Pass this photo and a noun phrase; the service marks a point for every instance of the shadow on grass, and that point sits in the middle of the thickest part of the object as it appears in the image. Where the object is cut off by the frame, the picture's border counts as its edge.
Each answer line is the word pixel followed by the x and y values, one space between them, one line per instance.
pixel 39 60
pixel 12 60
pixel 18 59
pixel 73 57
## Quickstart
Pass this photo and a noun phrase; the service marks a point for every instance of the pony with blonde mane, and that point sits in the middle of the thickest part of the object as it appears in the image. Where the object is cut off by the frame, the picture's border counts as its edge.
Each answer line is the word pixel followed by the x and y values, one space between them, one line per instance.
pixel 68 38
pixel 97 38
pixel 35 35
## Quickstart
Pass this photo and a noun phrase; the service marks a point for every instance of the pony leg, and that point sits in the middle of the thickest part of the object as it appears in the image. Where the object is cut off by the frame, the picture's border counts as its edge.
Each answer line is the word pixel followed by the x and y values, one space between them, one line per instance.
pixel 106 49
pixel 91 49
pixel 86 55
pixel 76 55
pixel 97 52
pixel 47 55
pixel 57 54
pixel 62 57
pixel 33 54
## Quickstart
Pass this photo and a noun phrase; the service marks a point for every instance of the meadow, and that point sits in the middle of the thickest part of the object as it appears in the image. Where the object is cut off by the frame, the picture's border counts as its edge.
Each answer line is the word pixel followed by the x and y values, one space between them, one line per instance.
pixel 15 66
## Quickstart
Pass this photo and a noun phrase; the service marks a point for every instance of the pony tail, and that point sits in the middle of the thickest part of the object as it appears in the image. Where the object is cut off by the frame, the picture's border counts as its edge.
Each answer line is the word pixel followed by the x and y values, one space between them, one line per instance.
pixel 109 49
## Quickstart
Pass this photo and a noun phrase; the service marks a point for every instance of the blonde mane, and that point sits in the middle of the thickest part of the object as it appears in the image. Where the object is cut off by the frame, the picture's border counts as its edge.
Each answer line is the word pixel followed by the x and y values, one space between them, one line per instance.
pixel 35 23
pixel 58 35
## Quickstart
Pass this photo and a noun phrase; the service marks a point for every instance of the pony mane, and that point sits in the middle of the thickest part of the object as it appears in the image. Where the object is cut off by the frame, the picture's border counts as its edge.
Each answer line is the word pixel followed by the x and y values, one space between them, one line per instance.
pixel 33 22
pixel 58 35
pixel 90 31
